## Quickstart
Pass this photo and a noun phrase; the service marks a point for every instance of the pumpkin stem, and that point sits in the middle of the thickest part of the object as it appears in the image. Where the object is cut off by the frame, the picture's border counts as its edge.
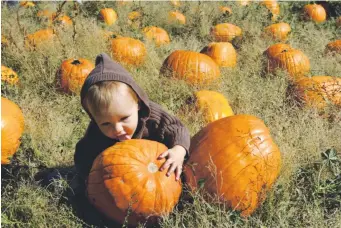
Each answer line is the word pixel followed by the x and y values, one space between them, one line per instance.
pixel 76 62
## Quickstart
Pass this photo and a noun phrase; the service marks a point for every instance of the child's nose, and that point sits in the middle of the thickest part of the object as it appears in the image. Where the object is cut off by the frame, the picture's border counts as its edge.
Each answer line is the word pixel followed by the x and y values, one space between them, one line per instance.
pixel 118 128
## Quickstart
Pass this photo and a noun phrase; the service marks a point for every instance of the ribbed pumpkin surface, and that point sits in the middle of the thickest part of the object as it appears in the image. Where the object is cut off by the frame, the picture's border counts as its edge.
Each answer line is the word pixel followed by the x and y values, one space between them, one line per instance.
pixel 225 32
pixel 276 49
pixel 8 75
pixel 72 74
pixel 156 34
pixel 318 91
pixel 12 127
pixel 315 12
pixel 235 158
pixel 127 175
pixel 278 31
pixel 213 105
pixel 128 50
pixel 223 53
pixel 194 67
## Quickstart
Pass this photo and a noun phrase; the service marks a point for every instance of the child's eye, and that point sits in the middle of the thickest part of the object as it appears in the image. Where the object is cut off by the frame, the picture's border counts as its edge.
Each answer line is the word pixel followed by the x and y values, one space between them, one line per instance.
pixel 125 118
pixel 105 124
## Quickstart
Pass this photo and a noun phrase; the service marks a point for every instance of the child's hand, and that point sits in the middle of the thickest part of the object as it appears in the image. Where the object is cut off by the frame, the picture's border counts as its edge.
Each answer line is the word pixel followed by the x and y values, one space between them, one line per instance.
pixel 175 158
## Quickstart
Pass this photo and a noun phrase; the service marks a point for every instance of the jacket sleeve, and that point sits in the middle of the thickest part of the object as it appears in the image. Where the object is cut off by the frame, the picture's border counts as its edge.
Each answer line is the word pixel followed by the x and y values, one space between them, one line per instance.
pixel 168 129
pixel 88 148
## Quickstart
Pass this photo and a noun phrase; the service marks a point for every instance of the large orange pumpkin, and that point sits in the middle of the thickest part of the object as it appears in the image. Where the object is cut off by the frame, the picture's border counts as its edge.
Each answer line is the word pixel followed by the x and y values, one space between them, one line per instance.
pixel 318 91
pixel 176 17
pixel 193 67
pixel 213 105
pixel 156 34
pixel 236 159
pixel 12 127
pixel 223 53
pixel 8 75
pixel 72 74
pixel 39 38
pixel 315 12
pixel 278 31
pixel 294 61
pixel 128 50
pixel 334 46
pixel 225 32
pixel 126 177
pixel 108 15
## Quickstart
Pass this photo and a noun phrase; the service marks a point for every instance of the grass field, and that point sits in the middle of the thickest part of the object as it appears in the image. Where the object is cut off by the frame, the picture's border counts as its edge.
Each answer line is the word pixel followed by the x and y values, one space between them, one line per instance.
pixel 308 190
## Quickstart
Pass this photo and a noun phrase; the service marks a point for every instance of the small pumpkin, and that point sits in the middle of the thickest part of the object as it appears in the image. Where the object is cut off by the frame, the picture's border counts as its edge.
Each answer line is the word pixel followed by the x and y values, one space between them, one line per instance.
pixel 223 53
pixel 278 31
pixel 273 7
pixel 12 127
pixel 175 3
pixel 334 46
pixel 193 67
pixel 39 38
pixel 318 91
pixel 63 20
pixel 128 50
pixel 156 34
pixel 213 105
pixel 315 12
pixel 175 17
pixel 125 182
pixel 72 74
pixel 235 159
pixel 108 15
pixel 294 61
pixel 9 76
pixel 26 4
pixel 225 32
pixel 225 10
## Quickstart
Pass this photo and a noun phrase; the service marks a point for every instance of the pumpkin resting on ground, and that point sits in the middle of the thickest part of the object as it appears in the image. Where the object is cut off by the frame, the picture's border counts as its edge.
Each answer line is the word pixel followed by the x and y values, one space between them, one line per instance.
pixel 156 34
pixel 12 127
pixel 8 75
pixel 108 15
pixel 128 50
pixel 126 177
pixel 334 46
pixel 236 159
pixel 193 67
pixel 315 12
pixel 223 53
pixel 278 31
pixel 225 32
pixel 72 74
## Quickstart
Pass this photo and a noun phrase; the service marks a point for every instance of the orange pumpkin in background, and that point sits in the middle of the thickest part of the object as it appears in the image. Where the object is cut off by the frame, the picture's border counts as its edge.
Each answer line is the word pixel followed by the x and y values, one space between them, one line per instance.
pixel 225 10
pixel 156 34
pixel 72 74
pixel 128 51
pixel 9 76
pixel 334 46
pixel 278 31
pixel 39 38
pixel 176 17
pixel 315 13
pixel 63 20
pixel 276 49
pixel 193 67
pixel 108 15
pixel 235 159
pixel 318 91
pixel 26 4
pixel 175 3
pixel 125 181
pixel 225 32
pixel 213 105
pixel 12 127
pixel 223 53
pixel 273 7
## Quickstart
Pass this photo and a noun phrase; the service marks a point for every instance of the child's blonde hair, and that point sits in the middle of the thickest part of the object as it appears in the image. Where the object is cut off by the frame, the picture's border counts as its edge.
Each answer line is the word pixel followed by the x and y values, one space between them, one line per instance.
pixel 100 95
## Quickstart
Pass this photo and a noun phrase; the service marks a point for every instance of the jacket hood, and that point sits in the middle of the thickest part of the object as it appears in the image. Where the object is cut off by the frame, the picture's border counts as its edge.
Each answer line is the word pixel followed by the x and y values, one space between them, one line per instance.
pixel 108 70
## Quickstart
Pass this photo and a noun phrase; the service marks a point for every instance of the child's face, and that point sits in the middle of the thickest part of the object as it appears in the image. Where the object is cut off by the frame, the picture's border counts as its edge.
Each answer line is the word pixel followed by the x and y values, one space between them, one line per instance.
pixel 120 120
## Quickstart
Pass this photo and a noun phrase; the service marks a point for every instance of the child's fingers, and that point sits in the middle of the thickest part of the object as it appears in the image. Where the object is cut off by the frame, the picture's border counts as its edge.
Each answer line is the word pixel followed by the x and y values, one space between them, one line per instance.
pixel 171 169
pixel 178 172
pixel 163 155
pixel 166 164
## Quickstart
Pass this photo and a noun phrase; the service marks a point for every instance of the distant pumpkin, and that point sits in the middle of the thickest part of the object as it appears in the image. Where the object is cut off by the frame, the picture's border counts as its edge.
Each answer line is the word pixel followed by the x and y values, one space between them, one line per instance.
pixel 125 183
pixel 235 159
pixel 156 34
pixel 12 127
pixel 278 31
pixel 225 32
pixel 4 41
pixel 334 46
pixel 223 53
pixel 315 12
pixel 108 15
pixel 213 105
pixel 273 7
pixel 128 50
pixel 276 49
pixel 26 4
pixel 318 91
pixel 175 3
pixel 63 20
pixel 225 10
pixel 72 74
pixel 193 67
pixel 176 17
pixel 9 76
pixel 39 38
